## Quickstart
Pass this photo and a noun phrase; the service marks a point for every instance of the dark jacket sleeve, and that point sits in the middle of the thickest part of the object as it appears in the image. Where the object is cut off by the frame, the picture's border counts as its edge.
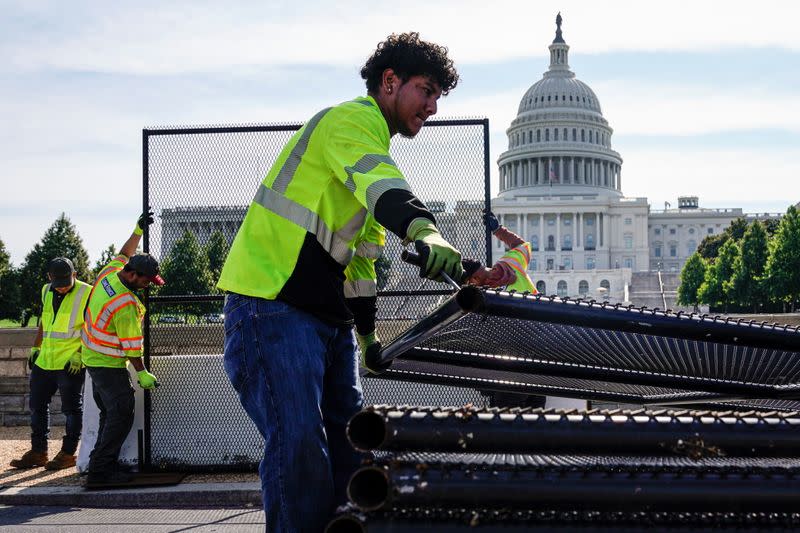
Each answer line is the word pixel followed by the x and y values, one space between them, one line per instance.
pixel 364 309
pixel 396 208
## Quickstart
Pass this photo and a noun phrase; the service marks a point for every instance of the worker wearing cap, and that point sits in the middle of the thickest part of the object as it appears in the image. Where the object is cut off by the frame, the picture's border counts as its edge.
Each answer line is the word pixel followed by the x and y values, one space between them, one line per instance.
pixel 112 337
pixel 289 346
pixel 55 363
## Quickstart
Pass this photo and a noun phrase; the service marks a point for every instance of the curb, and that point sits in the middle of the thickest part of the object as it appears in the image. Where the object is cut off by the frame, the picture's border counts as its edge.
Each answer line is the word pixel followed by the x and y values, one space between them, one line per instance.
pixel 181 495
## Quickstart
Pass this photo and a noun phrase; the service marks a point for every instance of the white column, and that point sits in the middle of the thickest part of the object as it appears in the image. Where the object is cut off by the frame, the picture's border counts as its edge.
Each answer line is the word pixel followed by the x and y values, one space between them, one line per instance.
pixel 578 222
pixel 558 232
pixel 606 231
pixel 561 177
pixel 540 166
pixel 542 243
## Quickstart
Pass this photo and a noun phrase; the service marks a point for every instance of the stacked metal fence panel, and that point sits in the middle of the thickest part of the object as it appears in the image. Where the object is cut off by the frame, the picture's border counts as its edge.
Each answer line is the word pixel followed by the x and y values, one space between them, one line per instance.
pixel 200 181
pixel 597 351
pixel 459 468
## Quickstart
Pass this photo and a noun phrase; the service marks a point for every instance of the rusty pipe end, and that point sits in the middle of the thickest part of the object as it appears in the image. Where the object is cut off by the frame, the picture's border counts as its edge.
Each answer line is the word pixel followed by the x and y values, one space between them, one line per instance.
pixel 366 431
pixel 368 488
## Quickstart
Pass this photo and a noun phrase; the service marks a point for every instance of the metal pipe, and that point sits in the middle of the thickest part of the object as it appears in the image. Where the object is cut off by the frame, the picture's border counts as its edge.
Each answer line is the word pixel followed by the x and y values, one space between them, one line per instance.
pixel 540 431
pixel 419 484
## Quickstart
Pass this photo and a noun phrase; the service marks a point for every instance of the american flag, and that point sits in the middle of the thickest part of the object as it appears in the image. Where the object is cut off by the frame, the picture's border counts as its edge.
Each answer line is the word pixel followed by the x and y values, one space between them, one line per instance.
pixel 553 176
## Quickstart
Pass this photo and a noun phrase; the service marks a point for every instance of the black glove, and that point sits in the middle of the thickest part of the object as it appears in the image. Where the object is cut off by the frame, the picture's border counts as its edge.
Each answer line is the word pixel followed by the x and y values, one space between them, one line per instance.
pixel 145 219
pixel 490 221
pixel 370 359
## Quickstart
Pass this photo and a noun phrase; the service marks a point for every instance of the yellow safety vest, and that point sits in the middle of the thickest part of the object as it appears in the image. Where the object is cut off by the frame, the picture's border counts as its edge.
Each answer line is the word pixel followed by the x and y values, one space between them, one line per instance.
pixel 112 331
pixel 326 180
pixel 518 258
pixel 61 333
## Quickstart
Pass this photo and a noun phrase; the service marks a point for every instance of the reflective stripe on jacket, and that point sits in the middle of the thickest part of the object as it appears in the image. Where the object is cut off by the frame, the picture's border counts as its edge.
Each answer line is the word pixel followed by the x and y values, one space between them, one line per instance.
pixel 360 275
pixel 61 333
pixel 112 330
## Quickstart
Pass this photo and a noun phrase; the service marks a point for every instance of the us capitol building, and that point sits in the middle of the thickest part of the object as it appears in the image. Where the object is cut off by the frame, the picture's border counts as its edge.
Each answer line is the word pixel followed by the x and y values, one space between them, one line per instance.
pixel 560 189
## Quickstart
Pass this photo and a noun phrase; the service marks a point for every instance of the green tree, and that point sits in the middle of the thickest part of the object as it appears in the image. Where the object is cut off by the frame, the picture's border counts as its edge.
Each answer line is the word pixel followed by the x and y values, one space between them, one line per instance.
pixel 710 246
pixel 186 272
pixel 105 258
pixel 216 251
pixel 783 264
pixel 9 286
pixel 60 240
pixel 716 287
pixel 749 267
pixel 692 277
pixel 771 226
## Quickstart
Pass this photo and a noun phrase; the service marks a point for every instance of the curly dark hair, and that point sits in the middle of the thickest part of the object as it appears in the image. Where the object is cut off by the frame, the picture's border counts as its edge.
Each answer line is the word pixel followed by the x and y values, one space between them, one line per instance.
pixel 408 56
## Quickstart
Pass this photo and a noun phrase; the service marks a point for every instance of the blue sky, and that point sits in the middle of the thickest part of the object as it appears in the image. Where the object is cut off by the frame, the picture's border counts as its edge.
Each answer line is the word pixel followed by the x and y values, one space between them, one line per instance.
pixel 703 96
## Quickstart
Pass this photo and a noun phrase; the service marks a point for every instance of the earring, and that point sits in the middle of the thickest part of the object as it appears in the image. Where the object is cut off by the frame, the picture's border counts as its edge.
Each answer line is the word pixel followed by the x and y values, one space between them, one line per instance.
pixel 389 90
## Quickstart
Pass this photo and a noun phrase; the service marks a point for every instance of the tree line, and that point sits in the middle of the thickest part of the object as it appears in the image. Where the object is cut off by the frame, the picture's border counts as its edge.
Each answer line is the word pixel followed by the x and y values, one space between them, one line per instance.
pixel 748 268
pixel 190 268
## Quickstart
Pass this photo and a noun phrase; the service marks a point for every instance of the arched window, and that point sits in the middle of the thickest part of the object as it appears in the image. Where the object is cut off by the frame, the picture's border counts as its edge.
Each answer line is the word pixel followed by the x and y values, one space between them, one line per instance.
pixel 538 136
pixel 591 136
pixel 547 134
pixel 691 246
pixel 567 242
pixel 551 243
pixel 565 134
pixel 555 134
pixel 605 284
pixel 574 134
pixel 589 241
pixel 535 242
pixel 561 288
pixel 583 136
pixel 583 287
pixel 541 286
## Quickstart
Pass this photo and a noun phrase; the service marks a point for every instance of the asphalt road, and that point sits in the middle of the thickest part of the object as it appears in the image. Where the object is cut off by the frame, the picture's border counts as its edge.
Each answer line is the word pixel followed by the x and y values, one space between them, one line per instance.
pixel 27 519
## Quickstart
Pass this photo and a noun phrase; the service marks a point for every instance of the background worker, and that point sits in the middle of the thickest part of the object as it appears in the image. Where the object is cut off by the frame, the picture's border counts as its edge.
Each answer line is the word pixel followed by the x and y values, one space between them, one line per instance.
pixel 289 346
pixel 55 363
pixel 511 270
pixel 112 337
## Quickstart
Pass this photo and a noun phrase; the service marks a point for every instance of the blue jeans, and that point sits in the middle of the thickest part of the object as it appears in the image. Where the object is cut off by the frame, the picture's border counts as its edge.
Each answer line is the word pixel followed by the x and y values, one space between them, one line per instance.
pixel 297 379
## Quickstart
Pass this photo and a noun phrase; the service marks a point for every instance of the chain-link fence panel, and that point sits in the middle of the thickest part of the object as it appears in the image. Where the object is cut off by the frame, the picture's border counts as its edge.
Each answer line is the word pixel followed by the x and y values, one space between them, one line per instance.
pixel 200 182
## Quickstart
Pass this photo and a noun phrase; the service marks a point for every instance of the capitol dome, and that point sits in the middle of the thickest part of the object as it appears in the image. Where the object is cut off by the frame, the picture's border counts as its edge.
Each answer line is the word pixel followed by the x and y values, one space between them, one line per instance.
pixel 559 143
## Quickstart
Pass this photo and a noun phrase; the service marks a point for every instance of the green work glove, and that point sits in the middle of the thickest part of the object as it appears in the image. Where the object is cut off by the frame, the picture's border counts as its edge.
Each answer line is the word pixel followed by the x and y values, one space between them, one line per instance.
pixel 370 348
pixel 437 254
pixel 74 366
pixel 146 379
pixel 33 355
pixel 145 219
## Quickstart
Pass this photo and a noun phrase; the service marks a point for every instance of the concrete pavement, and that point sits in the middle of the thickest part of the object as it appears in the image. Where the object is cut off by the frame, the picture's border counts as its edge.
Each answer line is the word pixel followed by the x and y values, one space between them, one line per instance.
pixel 71 519
pixel 246 494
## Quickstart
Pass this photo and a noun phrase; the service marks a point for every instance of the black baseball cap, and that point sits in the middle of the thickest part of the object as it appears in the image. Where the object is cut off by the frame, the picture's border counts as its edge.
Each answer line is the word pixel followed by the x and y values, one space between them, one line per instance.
pixel 60 270
pixel 147 266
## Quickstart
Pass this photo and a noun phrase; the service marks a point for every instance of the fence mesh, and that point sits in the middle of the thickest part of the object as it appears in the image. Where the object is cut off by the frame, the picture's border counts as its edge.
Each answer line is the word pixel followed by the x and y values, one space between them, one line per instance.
pixel 199 182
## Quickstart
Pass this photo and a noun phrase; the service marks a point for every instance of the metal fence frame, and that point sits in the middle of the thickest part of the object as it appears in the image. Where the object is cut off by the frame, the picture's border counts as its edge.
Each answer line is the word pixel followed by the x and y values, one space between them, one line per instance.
pixel 148 133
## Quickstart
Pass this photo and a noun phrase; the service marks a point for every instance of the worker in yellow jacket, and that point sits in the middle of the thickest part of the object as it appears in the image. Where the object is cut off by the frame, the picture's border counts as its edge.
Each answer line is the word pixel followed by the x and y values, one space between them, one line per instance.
pixel 55 364
pixel 112 337
pixel 289 344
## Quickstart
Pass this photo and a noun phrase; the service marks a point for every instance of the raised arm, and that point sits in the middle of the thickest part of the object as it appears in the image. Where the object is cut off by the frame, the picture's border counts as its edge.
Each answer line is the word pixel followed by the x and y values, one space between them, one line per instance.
pixel 130 246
